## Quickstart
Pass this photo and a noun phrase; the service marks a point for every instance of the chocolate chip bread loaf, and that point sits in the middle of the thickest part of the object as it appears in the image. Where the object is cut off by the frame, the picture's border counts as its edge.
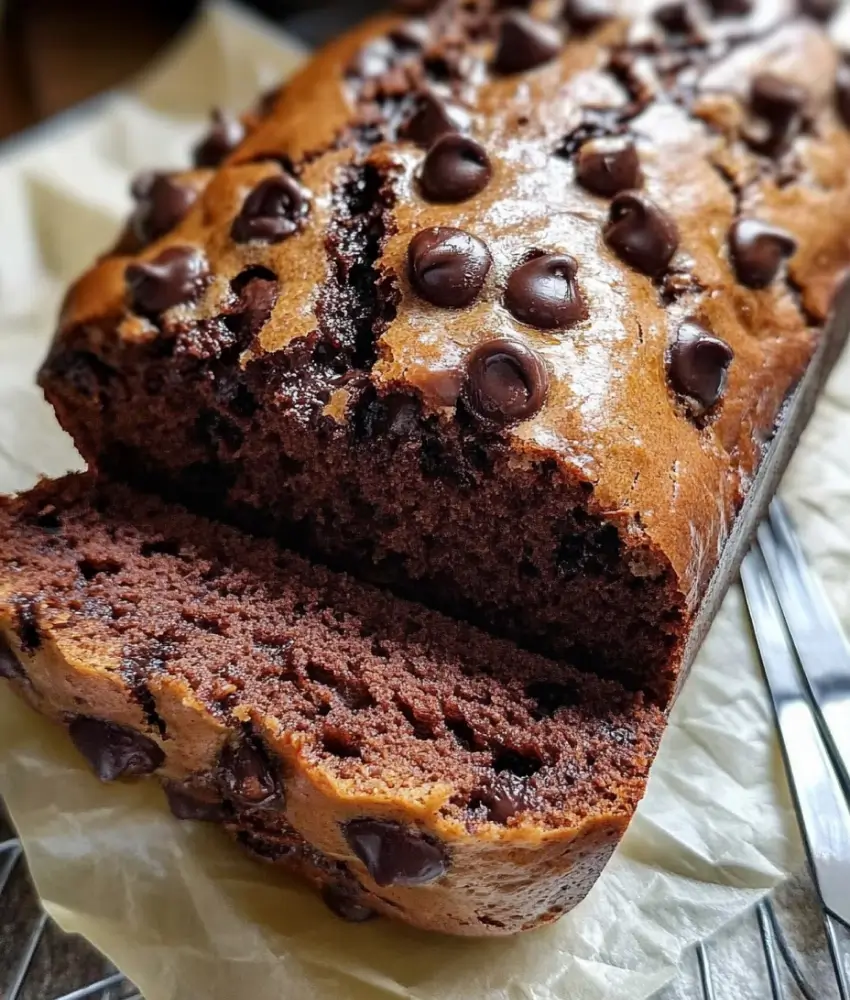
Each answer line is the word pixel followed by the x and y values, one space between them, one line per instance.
pixel 407 764
pixel 498 307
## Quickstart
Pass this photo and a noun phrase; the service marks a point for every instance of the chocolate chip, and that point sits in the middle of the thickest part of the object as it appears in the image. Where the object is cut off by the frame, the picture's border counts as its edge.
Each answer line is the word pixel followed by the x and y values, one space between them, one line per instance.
pixel 587 15
pixel 225 135
pixel 160 204
pixel 448 267
pixel 10 666
pixel 394 854
pixel 779 103
pixel 271 212
pixel 456 168
pixel 115 751
pixel 543 292
pixel 758 251
pixel 26 620
pixel 246 776
pixel 344 903
pixel 524 43
pixel 820 10
pixel 675 17
pixel 697 366
pixel 775 98
pixel 503 797
pixel 507 382
pixel 641 233
pixel 608 166
pixel 177 276
pixel 732 8
pixel 188 805
pixel 432 118
pixel 842 92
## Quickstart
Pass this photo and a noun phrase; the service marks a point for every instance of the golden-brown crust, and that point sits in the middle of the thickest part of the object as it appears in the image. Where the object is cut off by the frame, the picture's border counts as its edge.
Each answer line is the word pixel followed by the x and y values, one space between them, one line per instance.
pixel 610 416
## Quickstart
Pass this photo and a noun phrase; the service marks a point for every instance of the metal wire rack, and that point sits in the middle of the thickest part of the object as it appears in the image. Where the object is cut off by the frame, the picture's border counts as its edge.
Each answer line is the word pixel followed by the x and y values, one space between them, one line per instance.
pixel 42 963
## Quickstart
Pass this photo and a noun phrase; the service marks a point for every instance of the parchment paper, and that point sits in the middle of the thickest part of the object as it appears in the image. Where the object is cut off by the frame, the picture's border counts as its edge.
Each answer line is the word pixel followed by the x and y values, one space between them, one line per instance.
pixel 175 905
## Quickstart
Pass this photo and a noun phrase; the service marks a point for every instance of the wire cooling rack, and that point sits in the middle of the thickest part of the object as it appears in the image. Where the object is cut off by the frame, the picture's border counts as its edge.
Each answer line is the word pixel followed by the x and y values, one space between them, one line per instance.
pixel 39 962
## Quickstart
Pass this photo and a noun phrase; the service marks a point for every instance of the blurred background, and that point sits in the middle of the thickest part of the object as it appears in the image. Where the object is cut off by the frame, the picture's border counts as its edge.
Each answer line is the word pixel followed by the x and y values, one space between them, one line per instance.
pixel 55 53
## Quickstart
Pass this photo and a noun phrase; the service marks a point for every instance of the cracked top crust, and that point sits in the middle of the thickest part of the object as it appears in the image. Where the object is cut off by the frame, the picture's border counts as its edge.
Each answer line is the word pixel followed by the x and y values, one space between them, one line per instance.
pixel 734 117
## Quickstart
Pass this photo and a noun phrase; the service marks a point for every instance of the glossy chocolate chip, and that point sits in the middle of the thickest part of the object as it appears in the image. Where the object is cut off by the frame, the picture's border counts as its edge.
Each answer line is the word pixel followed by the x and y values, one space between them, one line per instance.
pixel 188 805
pixel 504 796
pixel 346 905
pixel 394 854
pixel 641 233
pixel 506 382
pixel 820 10
pixel 543 292
pixel 271 212
pixel 697 367
pixel 524 43
pixel 10 666
pixel 456 168
pixel 433 117
pixel 115 751
pixel 758 251
pixel 587 15
pixel 775 98
pixel 448 267
pixel 842 92
pixel 176 277
pixel 225 135
pixel 161 203
pixel 246 776
pixel 608 166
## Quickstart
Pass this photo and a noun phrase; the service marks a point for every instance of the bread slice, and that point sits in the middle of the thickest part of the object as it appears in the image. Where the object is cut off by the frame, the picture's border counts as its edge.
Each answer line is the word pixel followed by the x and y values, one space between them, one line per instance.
pixel 405 763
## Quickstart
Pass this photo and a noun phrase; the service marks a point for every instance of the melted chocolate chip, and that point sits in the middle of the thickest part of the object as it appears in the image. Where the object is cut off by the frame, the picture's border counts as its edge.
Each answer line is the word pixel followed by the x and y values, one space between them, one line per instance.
pixel 608 166
pixel 456 168
pixel 503 797
pixel 820 10
pixel 758 251
pixel 272 211
pixel 448 267
pixel 10 666
pixel 394 854
pixel 346 905
pixel 506 382
pixel 641 233
pixel 432 118
pixel 246 776
pixel 160 204
pixel 587 15
pixel 524 43
pixel 115 751
pixel 224 136
pixel 543 292
pixel 176 277
pixel 187 805
pixel 842 92
pixel 697 367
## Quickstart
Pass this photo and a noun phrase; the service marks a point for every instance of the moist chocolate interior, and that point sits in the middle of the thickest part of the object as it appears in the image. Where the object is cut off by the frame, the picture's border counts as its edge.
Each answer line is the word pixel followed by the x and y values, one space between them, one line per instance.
pixel 368 680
